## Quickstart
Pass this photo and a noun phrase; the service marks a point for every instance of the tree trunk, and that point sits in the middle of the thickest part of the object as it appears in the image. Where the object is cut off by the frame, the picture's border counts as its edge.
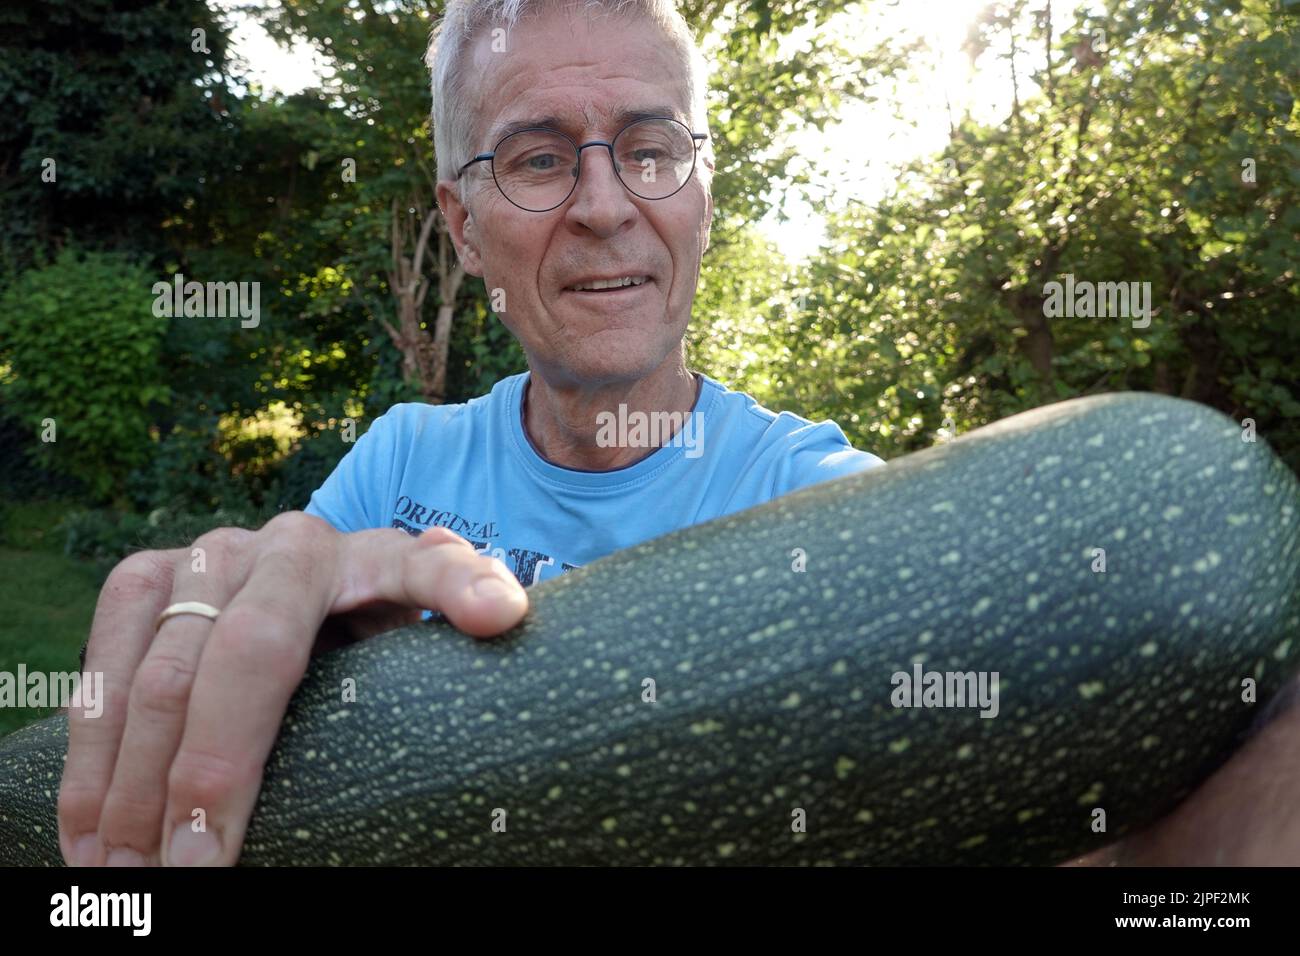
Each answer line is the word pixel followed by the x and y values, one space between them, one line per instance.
pixel 424 355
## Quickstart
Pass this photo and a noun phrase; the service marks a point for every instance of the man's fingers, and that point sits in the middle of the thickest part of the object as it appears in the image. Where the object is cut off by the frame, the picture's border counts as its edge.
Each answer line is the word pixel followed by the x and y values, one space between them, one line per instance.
pixel 131 821
pixel 253 660
pixel 132 597
pixel 438 570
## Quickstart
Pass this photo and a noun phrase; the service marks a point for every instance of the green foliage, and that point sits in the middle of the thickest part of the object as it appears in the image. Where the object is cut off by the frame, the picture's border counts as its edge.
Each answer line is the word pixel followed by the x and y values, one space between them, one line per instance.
pixel 922 316
pixel 135 121
pixel 185 471
pixel 373 113
pixel 483 352
pixel 764 92
pixel 84 346
pixel 102 536
pixel 308 467
pixel 105 536
pixel 926 310
pixel 20 476
pixel 745 294
pixel 31 524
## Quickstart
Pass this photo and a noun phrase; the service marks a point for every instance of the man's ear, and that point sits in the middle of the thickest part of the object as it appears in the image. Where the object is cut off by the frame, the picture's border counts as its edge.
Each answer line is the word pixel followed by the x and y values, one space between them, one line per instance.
pixel 460 224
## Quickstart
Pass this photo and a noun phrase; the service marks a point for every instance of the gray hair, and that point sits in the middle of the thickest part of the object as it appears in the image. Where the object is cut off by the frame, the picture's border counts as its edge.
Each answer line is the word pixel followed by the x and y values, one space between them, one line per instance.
pixel 462 22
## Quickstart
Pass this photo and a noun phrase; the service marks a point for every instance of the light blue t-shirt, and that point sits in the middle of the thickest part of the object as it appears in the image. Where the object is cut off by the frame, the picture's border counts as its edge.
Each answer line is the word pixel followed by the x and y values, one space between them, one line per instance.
pixel 472 468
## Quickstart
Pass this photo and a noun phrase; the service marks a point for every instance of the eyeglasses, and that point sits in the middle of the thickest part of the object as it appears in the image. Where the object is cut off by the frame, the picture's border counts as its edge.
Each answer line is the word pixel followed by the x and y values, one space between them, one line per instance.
pixel 537 168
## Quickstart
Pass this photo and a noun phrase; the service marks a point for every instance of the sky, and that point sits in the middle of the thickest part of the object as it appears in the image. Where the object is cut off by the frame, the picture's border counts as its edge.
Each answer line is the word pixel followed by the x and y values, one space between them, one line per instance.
pixel 271 64
pixel 863 150
pixel 873 140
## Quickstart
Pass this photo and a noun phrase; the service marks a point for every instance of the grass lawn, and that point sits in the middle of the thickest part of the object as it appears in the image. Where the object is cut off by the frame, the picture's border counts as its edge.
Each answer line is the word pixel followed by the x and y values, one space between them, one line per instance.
pixel 47 602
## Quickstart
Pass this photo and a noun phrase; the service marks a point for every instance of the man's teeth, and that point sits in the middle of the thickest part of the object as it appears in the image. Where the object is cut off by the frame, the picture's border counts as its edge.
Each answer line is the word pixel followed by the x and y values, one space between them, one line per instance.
pixel 609 283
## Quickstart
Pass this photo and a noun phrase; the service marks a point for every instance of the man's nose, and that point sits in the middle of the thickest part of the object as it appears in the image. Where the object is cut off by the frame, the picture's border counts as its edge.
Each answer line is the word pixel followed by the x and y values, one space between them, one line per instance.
pixel 601 203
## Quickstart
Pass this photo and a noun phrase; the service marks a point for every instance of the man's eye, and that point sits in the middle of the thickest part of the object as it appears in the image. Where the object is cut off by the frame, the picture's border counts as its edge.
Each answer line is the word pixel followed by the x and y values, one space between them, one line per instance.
pixel 542 162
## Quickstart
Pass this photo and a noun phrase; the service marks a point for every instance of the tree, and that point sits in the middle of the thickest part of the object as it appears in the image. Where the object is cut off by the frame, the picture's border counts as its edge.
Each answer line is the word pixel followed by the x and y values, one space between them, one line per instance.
pixel 116 114
pixel 1166 154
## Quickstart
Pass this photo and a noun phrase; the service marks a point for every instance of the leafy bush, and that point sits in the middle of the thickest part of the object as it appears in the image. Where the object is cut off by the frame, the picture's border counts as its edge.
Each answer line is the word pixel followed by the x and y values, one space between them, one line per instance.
pixel 483 351
pixel 306 469
pixel 34 524
pixel 186 472
pixel 108 536
pixel 102 534
pixel 82 343
pixel 20 477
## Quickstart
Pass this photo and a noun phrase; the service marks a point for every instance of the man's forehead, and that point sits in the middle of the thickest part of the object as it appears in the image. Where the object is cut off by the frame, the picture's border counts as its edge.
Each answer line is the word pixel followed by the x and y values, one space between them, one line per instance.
pixel 642 48
pixel 578 119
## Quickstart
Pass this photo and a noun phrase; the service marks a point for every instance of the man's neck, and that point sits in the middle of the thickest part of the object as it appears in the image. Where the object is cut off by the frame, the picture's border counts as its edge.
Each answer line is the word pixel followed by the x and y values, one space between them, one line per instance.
pixel 564 423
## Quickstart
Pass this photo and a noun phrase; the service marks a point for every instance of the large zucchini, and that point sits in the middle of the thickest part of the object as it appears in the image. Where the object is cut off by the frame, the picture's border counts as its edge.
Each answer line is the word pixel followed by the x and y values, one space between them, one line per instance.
pixel 1119 689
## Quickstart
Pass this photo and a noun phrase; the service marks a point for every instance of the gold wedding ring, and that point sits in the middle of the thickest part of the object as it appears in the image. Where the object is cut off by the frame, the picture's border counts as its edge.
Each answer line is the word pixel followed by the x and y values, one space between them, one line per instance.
pixel 186 607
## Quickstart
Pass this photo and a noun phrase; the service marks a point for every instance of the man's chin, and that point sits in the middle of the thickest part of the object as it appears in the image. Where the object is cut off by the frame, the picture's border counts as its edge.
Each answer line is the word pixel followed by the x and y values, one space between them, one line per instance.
pixel 613 356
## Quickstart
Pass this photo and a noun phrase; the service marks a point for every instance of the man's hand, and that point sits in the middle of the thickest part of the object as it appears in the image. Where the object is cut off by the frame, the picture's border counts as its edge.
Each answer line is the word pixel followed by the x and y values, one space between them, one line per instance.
pixel 191 712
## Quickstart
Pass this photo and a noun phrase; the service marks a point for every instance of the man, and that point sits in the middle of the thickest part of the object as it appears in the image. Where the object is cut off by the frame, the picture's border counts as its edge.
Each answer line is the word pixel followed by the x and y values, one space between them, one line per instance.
pixel 595 268
pixel 534 473
pixel 597 272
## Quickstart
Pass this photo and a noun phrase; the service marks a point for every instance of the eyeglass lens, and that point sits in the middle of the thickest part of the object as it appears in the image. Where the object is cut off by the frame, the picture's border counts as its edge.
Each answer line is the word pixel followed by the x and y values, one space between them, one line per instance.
pixel 538 169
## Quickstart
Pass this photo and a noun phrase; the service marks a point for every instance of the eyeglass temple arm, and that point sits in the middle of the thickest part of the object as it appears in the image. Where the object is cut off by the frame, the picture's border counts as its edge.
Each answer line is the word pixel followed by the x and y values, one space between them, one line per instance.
pixel 480 158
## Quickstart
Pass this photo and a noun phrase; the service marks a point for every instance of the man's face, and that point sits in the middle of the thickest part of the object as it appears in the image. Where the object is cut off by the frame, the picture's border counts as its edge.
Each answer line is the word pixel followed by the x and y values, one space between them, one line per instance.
pixel 583 73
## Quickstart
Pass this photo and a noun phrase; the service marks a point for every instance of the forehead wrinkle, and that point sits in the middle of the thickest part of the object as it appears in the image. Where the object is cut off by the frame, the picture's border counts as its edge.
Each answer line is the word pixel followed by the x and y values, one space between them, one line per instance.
pixel 654 101
pixel 675 91
pixel 619 116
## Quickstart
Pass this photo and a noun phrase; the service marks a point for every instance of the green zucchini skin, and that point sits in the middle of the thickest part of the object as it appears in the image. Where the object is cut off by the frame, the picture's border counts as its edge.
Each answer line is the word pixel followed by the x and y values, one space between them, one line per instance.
pixel 1118 690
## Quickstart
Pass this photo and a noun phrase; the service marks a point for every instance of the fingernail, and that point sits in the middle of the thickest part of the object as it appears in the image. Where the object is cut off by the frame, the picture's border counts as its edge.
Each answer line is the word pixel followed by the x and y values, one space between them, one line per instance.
pixel 124 856
pixel 193 849
pixel 84 850
pixel 493 589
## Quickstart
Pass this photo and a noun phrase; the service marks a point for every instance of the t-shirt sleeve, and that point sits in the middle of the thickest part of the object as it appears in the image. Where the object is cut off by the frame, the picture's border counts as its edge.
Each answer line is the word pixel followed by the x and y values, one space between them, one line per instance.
pixel 351 499
pixel 820 453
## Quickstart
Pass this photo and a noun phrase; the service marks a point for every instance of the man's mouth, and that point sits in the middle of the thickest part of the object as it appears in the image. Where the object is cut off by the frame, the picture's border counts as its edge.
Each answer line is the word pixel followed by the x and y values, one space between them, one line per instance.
pixel 612 284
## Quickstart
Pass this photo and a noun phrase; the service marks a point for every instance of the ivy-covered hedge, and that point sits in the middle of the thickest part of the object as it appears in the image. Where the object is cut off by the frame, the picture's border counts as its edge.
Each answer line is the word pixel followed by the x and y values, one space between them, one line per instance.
pixel 82 347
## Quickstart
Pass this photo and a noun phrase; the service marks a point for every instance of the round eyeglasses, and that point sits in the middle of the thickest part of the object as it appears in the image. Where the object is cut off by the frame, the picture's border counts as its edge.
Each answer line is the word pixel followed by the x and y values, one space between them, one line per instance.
pixel 537 169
